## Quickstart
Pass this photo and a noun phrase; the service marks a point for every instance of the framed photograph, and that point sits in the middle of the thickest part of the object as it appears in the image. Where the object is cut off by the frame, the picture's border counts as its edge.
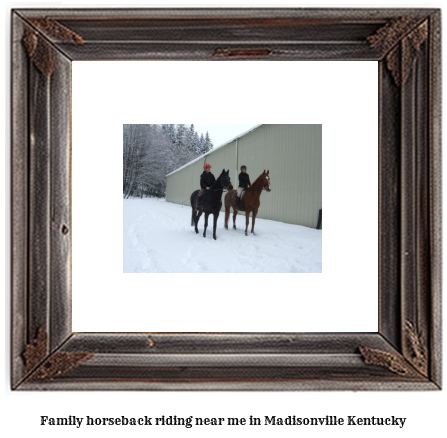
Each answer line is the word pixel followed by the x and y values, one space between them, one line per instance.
pixel 204 182
pixel 50 352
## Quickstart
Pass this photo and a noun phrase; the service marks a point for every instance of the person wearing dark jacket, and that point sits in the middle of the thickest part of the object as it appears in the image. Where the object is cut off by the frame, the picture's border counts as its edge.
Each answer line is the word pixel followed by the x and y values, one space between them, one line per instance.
pixel 244 183
pixel 206 181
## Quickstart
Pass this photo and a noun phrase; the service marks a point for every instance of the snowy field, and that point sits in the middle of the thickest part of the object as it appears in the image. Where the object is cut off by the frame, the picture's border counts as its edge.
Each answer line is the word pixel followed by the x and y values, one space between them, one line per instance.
pixel 158 237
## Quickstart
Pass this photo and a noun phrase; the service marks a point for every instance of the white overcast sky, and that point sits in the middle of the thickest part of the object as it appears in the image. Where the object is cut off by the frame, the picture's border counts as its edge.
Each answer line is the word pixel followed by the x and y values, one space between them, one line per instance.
pixel 220 133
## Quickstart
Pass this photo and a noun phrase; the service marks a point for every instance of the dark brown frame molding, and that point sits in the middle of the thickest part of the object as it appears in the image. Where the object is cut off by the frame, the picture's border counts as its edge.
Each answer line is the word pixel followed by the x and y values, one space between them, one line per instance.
pixel 405 354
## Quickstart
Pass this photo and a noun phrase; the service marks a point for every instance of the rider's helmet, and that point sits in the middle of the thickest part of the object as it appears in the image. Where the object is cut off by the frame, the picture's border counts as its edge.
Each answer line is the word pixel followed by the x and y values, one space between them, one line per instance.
pixel 243 167
pixel 207 166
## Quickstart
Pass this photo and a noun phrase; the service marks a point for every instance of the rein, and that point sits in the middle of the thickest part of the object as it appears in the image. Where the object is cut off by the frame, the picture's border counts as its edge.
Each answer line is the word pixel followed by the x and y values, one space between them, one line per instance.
pixel 263 188
pixel 216 190
pixel 223 188
pixel 256 180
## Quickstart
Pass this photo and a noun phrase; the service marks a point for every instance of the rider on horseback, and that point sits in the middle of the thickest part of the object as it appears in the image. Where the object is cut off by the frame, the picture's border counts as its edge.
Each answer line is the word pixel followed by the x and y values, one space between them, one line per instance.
pixel 244 184
pixel 206 181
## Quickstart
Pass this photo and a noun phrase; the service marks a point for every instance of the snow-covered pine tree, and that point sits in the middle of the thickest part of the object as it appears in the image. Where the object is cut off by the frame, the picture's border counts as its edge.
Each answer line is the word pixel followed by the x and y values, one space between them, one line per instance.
pixel 208 143
pixel 202 144
pixel 180 136
pixel 189 144
pixel 196 144
pixel 170 131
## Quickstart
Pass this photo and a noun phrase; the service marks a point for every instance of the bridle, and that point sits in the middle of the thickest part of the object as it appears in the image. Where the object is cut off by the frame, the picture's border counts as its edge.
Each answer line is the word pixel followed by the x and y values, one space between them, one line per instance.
pixel 225 187
pixel 264 187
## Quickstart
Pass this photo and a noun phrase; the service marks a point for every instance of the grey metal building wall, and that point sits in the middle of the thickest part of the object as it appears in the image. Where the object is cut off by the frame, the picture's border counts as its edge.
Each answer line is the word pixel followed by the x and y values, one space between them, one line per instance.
pixel 292 153
pixel 183 182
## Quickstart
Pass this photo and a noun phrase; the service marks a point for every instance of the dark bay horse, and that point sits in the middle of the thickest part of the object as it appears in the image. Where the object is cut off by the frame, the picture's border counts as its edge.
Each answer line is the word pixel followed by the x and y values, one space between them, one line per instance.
pixel 211 203
pixel 250 202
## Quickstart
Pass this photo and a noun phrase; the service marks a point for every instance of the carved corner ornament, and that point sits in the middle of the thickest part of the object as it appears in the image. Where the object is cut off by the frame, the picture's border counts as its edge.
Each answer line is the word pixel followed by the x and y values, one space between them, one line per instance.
pixel 41 367
pixel 39 50
pixel 412 364
pixel 394 362
pixel 400 56
pixel 416 349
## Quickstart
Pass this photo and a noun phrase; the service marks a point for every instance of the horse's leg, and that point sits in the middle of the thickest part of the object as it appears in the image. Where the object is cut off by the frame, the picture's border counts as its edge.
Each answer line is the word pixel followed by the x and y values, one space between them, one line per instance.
pixel 206 224
pixel 234 218
pixel 215 215
pixel 253 218
pixel 247 221
pixel 196 221
pixel 227 216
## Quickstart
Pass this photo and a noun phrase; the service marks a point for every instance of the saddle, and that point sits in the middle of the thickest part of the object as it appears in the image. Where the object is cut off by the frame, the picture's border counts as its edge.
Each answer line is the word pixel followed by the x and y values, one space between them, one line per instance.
pixel 241 206
pixel 242 194
pixel 198 205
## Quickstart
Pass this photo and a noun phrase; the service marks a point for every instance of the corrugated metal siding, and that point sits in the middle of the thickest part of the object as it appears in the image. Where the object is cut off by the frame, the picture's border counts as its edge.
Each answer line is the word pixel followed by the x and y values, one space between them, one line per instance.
pixel 181 184
pixel 223 158
pixel 292 153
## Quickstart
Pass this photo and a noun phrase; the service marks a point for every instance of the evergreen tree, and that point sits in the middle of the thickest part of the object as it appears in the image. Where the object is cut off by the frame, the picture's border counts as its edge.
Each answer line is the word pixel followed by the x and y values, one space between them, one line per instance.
pixel 170 131
pixel 196 144
pixel 208 145
pixel 180 137
pixel 202 145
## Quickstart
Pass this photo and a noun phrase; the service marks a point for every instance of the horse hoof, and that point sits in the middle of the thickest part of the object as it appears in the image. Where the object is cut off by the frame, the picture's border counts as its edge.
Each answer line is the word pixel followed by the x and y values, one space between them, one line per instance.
pixel 215 238
pixel 234 228
pixel 246 234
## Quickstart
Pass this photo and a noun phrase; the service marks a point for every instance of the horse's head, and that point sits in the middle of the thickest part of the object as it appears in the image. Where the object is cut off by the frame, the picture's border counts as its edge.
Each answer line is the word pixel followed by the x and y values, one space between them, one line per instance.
pixel 265 179
pixel 225 180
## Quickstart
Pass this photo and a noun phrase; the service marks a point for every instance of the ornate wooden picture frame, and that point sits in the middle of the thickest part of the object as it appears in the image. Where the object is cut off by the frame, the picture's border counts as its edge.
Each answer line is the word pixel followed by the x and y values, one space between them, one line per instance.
pixel 405 354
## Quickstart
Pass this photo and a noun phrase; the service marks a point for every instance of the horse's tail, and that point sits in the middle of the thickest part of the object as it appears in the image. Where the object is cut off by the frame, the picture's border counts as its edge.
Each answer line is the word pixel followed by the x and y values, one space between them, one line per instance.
pixel 192 200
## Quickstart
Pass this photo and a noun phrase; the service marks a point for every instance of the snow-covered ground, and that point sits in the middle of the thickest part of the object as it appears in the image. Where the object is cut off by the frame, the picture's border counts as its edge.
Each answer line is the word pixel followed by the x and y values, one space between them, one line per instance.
pixel 158 237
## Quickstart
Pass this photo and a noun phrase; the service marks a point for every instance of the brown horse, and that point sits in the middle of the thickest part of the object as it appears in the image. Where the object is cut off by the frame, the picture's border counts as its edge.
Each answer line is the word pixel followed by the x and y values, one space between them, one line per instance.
pixel 250 203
